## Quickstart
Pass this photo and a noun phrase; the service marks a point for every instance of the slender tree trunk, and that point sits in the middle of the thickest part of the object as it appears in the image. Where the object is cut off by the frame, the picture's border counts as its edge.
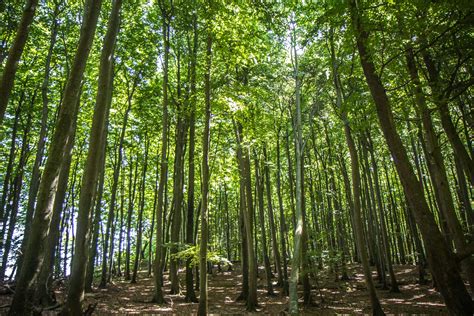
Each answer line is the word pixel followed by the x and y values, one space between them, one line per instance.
pixel 206 138
pixel 122 223
pixel 243 245
pixel 261 216
pixel 159 252
pixel 283 229
pixel 138 245
pixel 249 221
pixel 8 76
pixel 276 252
pixel 298 231
pixel 96 223
pixel 291 178
pixel 305 260
pixel 152 228
pixel 440 258
pixel 39 229
pixel 131 199
pixel 178 200
pixel 190 294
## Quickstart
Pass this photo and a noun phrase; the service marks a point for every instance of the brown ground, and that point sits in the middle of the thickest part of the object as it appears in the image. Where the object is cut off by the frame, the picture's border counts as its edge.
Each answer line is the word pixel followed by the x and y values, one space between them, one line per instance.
pixel 338 297
pixel 342 297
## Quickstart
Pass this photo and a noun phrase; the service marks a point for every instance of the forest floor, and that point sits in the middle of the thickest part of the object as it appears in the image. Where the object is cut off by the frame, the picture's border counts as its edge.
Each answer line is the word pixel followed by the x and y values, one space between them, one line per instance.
pixel 329 296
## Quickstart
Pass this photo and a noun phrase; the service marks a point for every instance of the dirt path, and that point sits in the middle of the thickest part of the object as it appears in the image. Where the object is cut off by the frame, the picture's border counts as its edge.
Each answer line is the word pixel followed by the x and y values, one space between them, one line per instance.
pixel 338 297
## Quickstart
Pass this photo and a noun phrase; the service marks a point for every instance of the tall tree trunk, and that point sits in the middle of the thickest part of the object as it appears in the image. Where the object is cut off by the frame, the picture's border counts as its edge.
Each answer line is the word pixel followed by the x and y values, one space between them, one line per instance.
pixel 298 231
pixel 283 228
pixel 206 139
pixel 248 221
pixel 40 226
pixel 243 244
pixel 440 258
pixel 132 184
pixel 159 252
pixel 177 199
pixel 138 245
pixel 305 260
pixel 8 76
pixel 98 136
pixel 122 223
pixel 96 225
pixel 276 252
pixel 152 228
pixel 261 216
pixel 291 178
pixel 190 294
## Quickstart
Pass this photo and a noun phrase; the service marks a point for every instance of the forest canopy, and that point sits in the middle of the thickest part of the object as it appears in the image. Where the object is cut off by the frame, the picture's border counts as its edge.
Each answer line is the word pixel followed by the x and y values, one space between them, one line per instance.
pixel 237 156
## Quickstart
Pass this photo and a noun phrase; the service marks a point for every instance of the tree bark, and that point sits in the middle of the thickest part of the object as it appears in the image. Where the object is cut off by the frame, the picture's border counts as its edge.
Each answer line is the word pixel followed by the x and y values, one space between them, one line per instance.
pixel 268 187
pixel 138 245
pixel 206 138
pixel 96 226
pixel 190 294
pixel 132 184
pixel 159 252
pixel 261 217
pixel 298 231
pixel 177 199
pixel 283 228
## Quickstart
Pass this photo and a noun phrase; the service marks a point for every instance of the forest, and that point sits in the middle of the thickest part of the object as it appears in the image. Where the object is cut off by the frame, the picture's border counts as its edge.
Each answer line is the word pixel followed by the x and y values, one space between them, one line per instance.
pixel 236 157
